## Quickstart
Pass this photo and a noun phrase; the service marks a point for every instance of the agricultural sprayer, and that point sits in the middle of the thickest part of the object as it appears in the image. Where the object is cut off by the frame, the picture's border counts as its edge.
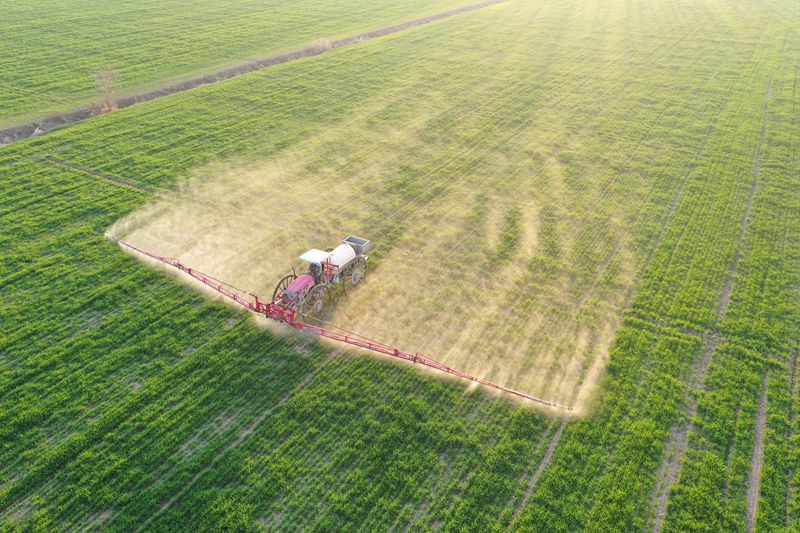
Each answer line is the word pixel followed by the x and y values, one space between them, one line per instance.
pixel 330 273
pixel 298 298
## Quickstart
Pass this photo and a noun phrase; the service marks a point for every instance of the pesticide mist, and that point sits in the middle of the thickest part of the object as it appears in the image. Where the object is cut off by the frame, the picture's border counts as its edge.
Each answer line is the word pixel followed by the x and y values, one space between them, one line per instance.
pixel 483 268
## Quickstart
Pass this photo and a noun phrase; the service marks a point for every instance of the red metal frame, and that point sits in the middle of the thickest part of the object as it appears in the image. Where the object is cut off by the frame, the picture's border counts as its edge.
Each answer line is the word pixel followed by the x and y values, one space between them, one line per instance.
pixel 286 315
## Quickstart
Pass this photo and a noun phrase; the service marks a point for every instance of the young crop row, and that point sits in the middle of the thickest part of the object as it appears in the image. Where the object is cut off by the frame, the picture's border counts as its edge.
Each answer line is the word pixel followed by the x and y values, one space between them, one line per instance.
pixel 584 252
pixel 163 387
pixel 63 56
pixel 744 429
pixel 129 401
pixel 722 440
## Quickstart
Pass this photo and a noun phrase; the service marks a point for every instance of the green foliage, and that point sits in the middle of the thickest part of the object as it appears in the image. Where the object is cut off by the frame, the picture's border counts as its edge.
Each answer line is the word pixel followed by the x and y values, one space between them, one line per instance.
pixel 128 401
pixel 509 236
pixel 145 44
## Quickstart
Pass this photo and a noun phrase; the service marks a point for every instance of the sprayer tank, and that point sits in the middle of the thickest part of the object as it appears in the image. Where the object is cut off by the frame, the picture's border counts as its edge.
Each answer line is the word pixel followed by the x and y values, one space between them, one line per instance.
pixel 341 255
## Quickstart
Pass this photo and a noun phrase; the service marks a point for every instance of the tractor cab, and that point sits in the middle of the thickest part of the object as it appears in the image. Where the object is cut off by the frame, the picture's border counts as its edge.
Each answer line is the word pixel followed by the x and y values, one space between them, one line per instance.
pixel 315 256
pixel 316 260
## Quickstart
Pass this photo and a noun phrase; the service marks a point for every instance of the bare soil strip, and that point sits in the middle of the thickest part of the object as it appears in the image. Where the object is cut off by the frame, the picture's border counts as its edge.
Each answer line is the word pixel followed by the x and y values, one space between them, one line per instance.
pixel 31 129
pixel 540 468
pixel 754 479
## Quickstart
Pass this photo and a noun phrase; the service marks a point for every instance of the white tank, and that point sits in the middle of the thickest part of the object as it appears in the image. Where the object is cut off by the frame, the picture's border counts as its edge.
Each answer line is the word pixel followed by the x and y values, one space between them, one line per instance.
pixel 342 254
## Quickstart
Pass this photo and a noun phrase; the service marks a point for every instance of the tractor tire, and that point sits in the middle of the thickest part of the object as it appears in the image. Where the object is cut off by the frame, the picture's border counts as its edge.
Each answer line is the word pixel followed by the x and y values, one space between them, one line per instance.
pixel 358 272
pixel 318 301
pixel 282 285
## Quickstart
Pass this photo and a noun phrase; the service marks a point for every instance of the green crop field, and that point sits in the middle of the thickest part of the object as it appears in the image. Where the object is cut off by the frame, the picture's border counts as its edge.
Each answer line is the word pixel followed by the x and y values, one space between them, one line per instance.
pixel 597 203
pixel 56 53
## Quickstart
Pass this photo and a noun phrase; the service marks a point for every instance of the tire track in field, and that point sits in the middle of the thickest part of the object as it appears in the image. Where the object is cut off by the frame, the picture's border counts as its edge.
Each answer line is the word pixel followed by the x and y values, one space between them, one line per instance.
pixel 548 454
pixel 790 486
pixel 671 464
pixel 244 434
pixel 757 457
pixel 679 195
pixel 729 456
pixel 656 504
pixel 670 468
pixel 41 126
pixel 726 292
pixel 754 479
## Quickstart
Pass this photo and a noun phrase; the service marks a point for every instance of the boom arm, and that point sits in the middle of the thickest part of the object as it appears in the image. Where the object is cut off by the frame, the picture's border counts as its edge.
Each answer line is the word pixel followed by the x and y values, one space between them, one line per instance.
pixel 279 313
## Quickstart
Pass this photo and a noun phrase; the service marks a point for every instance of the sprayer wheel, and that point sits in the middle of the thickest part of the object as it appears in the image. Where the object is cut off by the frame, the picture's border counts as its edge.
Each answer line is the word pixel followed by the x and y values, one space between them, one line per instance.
pixel 344 279
pixel 318 300
pixel 282 286
pixel 359 271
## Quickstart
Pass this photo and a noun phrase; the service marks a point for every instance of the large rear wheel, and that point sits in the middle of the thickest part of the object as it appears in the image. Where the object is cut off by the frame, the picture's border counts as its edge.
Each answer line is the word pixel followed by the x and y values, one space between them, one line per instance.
pixel 358 272
pixel 282 286
pixel 344 279
pixel 317 301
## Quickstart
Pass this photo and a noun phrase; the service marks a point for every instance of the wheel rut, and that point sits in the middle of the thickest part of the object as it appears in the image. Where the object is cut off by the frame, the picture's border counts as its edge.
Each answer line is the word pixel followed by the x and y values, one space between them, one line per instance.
pixel 729 456
pixel 679 437
pixel 671 464
pixel 113 179
pixel 244 434
pixel 548 454
pixel 754 479
pixel 791 489
pixel 724 300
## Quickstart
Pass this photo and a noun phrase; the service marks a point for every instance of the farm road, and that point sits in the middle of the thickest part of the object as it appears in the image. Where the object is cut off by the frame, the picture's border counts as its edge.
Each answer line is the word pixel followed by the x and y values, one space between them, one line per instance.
pixel 40 126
